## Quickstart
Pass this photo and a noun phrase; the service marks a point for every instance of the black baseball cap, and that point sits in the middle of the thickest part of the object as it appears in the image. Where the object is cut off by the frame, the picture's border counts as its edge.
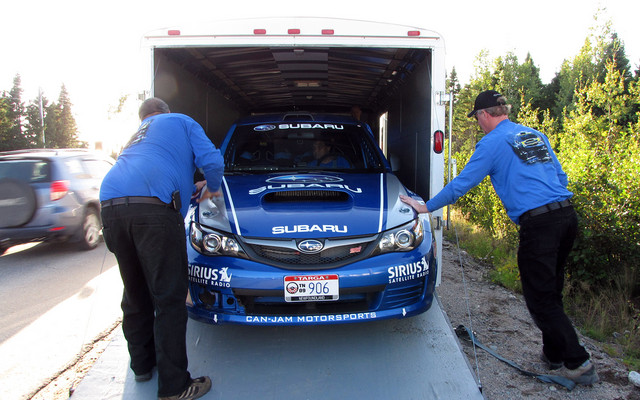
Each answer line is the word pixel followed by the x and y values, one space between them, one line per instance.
pixel 486 99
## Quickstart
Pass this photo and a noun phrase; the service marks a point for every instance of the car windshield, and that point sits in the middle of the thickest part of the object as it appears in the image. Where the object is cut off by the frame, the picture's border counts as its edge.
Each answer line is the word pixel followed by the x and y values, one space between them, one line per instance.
pixel 300 146
pixel 29 171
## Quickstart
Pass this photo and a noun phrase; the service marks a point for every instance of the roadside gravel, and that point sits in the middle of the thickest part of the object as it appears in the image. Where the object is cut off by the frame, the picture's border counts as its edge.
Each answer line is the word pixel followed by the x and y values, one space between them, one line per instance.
pixel 501 322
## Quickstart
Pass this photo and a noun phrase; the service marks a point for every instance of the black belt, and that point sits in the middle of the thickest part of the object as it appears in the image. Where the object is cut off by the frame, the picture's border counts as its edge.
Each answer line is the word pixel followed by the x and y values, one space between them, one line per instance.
pixel 545 209
pixel 134 200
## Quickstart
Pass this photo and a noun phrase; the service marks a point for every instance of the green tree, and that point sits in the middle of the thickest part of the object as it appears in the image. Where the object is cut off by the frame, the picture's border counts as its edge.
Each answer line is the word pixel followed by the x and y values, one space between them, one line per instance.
pixel 13 137
pixel 602 158
pixel 34 123
pixel 600 47
pixel 505 79
pixel 5 124
pixel 60 125
pixel 530 84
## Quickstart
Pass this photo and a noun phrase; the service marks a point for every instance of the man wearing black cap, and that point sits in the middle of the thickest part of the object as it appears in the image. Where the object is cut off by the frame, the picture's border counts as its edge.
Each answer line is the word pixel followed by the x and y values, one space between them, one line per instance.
pixel 529 180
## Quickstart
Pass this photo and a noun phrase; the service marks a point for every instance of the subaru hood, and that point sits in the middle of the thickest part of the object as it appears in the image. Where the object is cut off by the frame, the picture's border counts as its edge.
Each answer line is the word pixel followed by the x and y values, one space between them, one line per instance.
pixel 305 205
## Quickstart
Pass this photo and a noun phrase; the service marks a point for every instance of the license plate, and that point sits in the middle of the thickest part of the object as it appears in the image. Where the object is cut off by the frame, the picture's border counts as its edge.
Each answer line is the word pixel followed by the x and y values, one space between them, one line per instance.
pixel 301 288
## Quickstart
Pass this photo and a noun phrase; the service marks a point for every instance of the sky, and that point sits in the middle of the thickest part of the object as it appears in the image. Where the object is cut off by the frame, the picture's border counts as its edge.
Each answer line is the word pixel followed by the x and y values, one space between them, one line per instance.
pixel 94 48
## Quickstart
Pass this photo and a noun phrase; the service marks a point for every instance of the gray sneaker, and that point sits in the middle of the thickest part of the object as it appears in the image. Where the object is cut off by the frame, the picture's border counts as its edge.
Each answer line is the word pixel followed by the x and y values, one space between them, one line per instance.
pixel 550 364
pixel 583 375
pixel 198 388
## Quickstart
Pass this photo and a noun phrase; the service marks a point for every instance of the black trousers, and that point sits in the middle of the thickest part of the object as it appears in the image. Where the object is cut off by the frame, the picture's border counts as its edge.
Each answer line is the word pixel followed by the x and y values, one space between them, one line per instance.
pixel 149 243
pixel 545 243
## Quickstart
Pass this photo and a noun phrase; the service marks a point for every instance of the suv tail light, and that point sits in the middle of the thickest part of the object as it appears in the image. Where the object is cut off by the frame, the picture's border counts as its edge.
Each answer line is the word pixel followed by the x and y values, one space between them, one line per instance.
pixel 59 189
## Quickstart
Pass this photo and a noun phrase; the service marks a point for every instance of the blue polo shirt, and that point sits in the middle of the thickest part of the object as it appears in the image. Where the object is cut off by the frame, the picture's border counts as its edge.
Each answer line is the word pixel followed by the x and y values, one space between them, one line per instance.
pixel 524 171
pixel 162 157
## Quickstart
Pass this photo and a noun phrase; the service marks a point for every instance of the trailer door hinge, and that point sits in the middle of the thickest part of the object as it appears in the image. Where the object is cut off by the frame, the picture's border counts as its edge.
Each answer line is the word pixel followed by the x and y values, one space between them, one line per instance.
pixel 438 223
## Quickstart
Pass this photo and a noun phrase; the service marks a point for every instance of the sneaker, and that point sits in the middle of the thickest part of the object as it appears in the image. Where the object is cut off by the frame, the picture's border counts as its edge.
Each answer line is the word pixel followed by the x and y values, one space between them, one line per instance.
pixel 584 375
pixel 144 377
pixel 198 388
pixel 550 364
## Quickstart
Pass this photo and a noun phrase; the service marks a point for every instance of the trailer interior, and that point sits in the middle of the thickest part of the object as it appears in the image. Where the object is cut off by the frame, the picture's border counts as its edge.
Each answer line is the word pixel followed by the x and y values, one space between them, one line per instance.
pixel 391 86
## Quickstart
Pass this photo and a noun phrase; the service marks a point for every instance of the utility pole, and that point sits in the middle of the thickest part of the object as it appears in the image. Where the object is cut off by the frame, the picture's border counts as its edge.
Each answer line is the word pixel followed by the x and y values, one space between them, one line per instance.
pixel 44 145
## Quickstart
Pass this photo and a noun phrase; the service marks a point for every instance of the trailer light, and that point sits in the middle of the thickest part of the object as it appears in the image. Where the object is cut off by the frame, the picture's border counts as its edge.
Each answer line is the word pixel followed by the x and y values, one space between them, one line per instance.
pixel 259 31
pixel 173 32
pixel 293 31
pixel 413 33
pixel 438 141
pixel 328 32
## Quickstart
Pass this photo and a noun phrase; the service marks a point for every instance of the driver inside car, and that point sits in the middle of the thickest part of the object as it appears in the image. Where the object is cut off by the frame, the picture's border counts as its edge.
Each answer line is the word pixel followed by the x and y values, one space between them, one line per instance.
pixel 325 157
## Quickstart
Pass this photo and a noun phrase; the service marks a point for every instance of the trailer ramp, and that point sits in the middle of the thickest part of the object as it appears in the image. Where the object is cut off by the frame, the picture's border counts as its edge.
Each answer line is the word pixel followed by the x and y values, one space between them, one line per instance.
pixel 413 358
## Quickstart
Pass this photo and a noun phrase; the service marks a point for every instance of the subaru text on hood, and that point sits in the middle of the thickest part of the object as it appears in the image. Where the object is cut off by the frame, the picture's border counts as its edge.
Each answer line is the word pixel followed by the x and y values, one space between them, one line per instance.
pixel 309 229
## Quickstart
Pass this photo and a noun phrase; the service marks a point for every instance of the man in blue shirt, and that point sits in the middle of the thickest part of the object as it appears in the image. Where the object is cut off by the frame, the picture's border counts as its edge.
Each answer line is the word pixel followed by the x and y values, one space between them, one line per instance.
pixel 529 180
pixel 144 199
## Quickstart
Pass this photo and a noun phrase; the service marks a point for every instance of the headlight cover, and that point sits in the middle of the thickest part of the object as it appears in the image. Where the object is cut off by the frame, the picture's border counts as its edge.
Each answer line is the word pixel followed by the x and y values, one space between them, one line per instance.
pixel 403 238
pixel 214 243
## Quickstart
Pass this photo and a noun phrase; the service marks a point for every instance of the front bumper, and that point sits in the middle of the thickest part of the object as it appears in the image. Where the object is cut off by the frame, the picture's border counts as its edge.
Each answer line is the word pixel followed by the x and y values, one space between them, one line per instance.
pixel 239 291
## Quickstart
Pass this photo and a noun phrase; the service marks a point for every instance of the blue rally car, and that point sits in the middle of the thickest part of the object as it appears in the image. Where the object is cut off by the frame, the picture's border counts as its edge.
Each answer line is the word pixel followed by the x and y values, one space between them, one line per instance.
pixel 310 229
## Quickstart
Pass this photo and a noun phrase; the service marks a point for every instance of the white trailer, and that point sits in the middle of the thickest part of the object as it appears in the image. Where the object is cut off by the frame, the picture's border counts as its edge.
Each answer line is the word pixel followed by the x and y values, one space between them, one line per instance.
pixel 219 72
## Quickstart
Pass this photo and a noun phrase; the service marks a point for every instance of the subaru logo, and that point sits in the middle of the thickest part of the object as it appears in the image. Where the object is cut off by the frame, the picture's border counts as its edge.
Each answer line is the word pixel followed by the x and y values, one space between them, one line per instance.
pixel 310 246
pixel 264 128
pixel 306 178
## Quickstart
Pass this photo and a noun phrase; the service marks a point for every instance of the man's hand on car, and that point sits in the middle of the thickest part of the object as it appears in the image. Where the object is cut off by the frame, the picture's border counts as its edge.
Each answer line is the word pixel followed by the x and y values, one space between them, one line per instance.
pixel 419 207
pixel 206 194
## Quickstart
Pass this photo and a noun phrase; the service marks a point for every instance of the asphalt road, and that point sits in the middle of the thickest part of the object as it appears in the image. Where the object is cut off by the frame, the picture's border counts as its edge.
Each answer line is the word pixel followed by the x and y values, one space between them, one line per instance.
pixel 36 278
pixel 54 300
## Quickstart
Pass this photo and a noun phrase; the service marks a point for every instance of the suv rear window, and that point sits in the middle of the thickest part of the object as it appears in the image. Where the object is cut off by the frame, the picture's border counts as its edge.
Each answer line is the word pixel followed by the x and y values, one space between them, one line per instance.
pixel 289 146
pixel 97 169
pixel 29 171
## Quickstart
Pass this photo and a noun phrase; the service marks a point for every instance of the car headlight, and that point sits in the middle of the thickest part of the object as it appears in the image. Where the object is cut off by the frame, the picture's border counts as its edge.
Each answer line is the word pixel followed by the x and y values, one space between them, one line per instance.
pixel 403 238
pixel 213 243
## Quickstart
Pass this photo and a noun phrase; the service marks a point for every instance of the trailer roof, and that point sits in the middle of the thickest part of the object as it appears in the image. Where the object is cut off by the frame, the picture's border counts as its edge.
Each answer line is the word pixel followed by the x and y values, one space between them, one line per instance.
pixel 315 64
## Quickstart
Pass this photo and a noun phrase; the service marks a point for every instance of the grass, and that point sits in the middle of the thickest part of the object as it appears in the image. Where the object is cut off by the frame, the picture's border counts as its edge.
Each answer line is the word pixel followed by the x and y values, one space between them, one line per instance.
pixel 604 314
pixel 492 251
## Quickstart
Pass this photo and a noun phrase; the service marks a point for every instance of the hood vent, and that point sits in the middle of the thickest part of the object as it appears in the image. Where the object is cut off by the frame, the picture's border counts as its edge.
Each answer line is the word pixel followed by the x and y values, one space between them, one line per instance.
pixel 306 196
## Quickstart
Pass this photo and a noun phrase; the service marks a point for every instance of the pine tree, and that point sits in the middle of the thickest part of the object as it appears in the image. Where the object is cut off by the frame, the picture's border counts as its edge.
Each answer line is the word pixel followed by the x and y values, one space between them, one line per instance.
pixel 68 125
pixel 34 124
pixel 5 124
pixel 60 126
pixel 530 84
pixel 12 135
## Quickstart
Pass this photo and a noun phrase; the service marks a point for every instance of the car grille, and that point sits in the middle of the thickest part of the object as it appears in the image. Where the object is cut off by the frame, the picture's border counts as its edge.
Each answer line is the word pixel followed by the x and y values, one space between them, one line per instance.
pixel 269 302
pixel 284 254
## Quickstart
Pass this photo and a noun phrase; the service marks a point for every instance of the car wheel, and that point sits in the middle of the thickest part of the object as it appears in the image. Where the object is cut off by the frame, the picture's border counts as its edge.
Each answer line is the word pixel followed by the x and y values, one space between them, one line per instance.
pixel 17 203
pixel 91 227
